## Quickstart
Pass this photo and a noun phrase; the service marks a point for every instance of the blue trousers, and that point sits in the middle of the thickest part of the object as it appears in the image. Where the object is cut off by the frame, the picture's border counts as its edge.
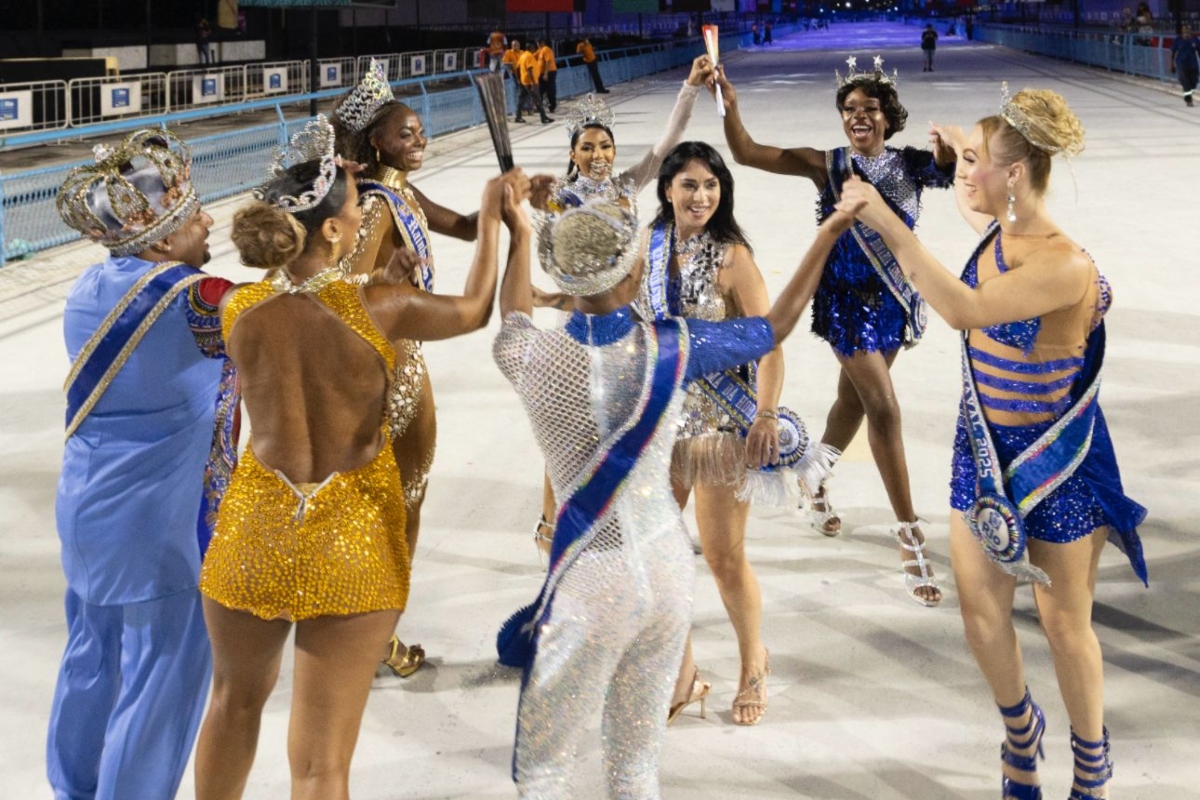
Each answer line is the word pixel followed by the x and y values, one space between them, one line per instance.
pixel 130 695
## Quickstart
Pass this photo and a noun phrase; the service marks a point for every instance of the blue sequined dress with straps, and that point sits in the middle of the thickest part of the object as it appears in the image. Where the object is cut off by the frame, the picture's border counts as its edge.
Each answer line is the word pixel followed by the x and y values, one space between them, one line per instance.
pixel 1018 377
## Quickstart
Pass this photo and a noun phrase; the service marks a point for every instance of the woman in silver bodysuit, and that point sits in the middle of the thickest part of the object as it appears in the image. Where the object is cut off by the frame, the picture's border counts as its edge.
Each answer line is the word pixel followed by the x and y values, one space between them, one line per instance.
pixel 607 388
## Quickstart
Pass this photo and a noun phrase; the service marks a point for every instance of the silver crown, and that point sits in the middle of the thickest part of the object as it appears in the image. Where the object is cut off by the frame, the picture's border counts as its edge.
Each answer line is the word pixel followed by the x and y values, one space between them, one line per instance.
pixel 591 110
pixel 314 142
pixel 1030 128
pixel 876 73
pixel 136 193
pixel 590 249
pixel 373 92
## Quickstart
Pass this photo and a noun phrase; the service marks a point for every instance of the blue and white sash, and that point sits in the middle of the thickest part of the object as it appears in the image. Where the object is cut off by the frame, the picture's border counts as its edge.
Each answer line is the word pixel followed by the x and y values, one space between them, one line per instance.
pixel 119 335
pixel 840 166
pixel 410 227
pixel 598 488
pixel 735 391
pixel 995 519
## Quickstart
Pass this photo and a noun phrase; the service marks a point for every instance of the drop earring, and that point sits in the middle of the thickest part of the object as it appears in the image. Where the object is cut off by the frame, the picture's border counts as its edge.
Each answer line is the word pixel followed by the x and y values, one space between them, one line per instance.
pixel 1011 216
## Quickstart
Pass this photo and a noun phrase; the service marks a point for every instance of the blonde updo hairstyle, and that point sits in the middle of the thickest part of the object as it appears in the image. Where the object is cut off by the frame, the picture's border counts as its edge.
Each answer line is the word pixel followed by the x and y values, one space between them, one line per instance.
pixel 1033 126
pixel 266 236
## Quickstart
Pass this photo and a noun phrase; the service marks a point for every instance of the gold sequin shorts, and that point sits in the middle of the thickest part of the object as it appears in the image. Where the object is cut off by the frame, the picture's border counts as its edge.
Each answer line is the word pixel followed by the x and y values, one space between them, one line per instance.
pixel 297 552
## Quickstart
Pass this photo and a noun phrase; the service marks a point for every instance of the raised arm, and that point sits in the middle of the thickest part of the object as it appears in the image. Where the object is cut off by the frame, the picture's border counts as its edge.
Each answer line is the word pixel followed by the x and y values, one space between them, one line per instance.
pixel 516 292
pixel 803 284
pixel 803 161
pixel 647 169
pixel 1053 277
pixel 447 222
pixel 404 312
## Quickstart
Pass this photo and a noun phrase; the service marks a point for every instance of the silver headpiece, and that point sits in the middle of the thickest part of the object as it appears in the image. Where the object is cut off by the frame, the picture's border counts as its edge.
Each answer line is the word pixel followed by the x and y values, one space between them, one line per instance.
pixel 136 193
pixel 591 110
pixel 313 143
pixel 373 92
pixel 1030 128
pixel 590 249
pixel 876 73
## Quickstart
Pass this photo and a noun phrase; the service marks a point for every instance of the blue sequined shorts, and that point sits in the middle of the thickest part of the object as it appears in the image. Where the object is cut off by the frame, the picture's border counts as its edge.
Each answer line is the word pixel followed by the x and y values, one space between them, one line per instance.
pixel 858 317
pixel 1070 512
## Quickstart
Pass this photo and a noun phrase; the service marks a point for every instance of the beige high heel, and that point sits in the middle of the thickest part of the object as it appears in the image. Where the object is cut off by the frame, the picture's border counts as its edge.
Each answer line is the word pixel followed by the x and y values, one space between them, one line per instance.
pixel 697 694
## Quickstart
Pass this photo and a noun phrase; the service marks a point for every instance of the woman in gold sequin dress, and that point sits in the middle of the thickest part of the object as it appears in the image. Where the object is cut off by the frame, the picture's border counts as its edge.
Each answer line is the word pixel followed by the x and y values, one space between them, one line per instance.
pixel 387 137
pixel 310 533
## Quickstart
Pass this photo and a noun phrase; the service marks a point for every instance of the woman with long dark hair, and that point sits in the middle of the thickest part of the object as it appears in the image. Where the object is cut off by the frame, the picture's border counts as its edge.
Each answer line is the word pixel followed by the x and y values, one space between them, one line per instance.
pixel 311 529
pixel 699 265
pixel 1035 491
pixel 864 308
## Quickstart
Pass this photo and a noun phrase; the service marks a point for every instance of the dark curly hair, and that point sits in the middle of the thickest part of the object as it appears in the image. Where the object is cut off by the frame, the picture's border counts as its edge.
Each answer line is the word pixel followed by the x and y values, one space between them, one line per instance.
pixel 356 145
pixel 722 225
pixel 889 102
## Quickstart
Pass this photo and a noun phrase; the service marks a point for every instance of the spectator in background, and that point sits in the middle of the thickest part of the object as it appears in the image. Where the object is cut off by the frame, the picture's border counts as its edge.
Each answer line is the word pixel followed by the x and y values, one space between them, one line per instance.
pixel 549 82
pixel 970 25
pixel 529 73
pixel 929 39
pixel 495 50
pixel 511 56
pixel 755 35
pixel 593 67
pixel 767 33
pixel 1185 61
pixel 203 35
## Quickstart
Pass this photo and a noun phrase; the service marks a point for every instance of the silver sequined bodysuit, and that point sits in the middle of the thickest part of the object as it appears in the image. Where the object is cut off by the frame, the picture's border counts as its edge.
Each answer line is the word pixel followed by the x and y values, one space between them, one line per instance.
pixel 621 611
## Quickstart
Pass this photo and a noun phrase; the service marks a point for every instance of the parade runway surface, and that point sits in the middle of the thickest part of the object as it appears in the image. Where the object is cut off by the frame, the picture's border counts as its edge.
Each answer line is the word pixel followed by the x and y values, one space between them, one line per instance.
pixel 871 696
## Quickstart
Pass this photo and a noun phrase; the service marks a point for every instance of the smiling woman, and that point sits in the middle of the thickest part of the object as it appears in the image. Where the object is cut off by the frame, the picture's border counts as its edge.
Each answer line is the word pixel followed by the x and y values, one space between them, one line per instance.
pixel 864 307
pixel 387 137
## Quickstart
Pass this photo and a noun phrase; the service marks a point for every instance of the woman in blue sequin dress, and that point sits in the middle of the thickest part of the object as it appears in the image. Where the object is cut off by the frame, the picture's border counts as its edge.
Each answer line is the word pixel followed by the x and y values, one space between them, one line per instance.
pixel 1031 302
pixel 855 309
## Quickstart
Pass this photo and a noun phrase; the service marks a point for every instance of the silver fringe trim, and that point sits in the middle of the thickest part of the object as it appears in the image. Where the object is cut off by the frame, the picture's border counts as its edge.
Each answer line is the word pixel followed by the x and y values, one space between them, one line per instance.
pixel 815 467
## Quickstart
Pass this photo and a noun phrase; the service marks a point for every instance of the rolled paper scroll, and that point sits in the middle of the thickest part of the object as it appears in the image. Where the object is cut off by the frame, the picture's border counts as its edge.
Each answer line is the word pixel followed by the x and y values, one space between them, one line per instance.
pixel 711 43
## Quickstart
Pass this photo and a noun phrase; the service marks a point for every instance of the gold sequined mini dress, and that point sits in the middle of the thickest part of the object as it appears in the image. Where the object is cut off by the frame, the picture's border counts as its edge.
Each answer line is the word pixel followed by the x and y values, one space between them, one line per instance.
pixel 299 551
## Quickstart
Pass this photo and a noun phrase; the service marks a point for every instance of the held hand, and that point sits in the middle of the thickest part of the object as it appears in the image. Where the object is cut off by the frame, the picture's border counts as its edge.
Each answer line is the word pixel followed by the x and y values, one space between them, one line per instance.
pixel 762 443
pixel 540 188
pixel 702 70
pixel 947 140
pixel 838 222
pixel 400 267
pixel 862 201
pixel 513 213
pixel 491 205
pixel 728 93
pixel 351 167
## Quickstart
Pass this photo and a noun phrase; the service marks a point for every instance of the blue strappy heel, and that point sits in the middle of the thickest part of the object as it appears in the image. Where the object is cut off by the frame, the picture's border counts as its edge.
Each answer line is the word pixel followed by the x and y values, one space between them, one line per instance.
pixel 1023 738
pixel 1093 767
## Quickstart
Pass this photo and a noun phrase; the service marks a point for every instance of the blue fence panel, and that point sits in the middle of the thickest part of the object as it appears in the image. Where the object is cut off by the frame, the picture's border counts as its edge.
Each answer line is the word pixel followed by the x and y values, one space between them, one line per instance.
pixel 231 163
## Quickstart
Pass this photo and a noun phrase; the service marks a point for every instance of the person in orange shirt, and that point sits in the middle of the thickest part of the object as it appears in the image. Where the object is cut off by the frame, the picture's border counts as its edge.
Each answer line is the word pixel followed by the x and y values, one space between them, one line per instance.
pixel 593 66
pixel 549 81
pixel 496 40
pixel 529 72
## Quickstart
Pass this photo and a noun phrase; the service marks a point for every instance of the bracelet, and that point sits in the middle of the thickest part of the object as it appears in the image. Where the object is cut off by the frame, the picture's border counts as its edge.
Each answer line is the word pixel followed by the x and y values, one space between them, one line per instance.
pixel 767 414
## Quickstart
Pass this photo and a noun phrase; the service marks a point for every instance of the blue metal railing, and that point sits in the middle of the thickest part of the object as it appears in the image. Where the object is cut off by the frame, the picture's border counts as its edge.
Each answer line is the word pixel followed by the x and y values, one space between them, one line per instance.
pixel 1145 54
pixel 227 164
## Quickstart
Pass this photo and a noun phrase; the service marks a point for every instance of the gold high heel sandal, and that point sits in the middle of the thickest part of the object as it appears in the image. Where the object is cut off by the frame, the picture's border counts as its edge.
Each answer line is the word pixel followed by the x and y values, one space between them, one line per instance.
pixel 404 663
pixel 754 696
pixel 697 694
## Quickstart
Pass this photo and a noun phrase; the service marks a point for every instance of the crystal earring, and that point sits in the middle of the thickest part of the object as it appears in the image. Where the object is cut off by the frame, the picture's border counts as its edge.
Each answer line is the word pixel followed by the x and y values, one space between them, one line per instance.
pixel 1011 216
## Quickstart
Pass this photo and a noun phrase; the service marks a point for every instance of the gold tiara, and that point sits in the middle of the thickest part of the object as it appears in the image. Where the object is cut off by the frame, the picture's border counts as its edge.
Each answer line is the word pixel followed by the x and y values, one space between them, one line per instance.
pixel 876 74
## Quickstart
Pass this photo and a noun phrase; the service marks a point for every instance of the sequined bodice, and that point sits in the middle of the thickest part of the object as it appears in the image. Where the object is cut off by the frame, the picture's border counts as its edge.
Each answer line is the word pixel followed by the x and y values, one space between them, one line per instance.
pixel 1020 380
pixel 569 193
pixel 693 292
pixel 888 172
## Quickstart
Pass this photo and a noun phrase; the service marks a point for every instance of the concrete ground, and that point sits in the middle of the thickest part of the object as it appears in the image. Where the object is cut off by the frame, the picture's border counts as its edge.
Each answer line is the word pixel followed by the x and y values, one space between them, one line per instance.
pixel 871 696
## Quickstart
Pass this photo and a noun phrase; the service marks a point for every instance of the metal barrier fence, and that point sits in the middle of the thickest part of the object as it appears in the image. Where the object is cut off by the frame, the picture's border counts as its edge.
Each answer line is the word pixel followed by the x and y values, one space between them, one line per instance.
pixel 231 163
pixel 38 106
pixel 1143 54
